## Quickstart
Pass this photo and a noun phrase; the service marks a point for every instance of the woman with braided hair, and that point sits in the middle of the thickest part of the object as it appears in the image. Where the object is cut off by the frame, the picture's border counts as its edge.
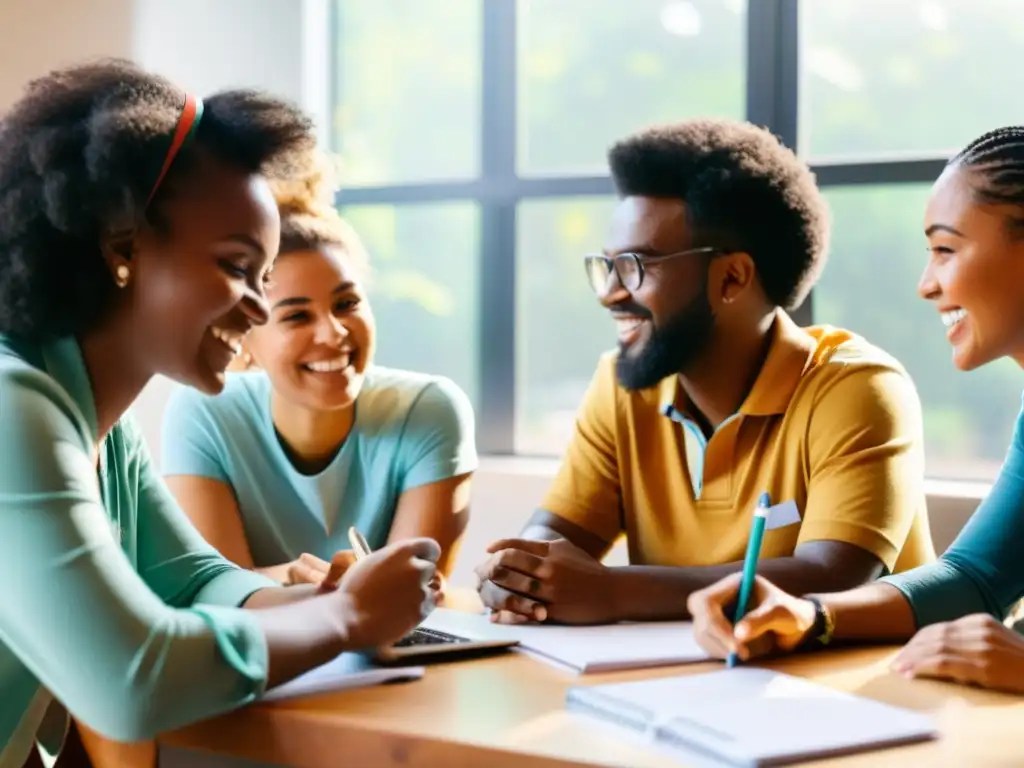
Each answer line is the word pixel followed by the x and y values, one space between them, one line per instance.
pixel 137 225
pixel 952 611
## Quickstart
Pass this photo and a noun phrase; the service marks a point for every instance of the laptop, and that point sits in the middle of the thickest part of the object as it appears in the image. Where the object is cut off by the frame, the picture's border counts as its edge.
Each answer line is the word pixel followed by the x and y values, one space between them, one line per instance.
pixel 443 634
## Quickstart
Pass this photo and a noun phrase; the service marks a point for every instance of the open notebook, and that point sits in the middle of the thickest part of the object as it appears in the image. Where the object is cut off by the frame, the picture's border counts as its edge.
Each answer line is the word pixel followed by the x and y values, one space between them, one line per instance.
pixel 349 670
pixel 585 649
pixel 751 717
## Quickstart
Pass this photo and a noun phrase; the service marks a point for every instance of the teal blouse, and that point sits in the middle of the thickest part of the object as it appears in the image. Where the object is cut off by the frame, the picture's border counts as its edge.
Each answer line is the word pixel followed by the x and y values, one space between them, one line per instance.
pixel 983 570
pixel 114 606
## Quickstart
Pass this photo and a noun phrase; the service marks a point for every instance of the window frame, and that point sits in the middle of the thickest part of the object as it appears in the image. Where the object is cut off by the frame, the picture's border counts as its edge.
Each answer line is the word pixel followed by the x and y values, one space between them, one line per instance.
pixel 772 100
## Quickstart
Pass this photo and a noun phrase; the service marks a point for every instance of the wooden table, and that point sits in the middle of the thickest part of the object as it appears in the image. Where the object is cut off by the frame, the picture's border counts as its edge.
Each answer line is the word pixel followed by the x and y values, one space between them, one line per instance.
pixel 508 711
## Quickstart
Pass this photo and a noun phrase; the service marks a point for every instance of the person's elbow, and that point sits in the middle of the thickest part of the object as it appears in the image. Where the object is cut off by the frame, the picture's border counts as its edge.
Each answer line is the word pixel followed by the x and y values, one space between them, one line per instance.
pixel 856 574
pixel 137 714
pixel 123 727
pixel 170 674
pixel 836 566
pixel 127 717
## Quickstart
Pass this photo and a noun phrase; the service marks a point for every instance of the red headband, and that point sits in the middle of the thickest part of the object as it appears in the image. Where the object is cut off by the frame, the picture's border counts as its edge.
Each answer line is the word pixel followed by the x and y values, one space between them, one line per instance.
pixel 187 123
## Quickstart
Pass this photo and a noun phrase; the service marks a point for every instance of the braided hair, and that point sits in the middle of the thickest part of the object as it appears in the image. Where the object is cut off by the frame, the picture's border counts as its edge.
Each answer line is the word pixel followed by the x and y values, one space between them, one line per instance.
pixel 998 160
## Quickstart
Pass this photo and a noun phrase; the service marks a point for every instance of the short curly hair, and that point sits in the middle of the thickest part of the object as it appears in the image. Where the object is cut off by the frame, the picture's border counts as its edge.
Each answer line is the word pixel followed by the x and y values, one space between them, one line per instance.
pixel 309 219
pixel 79 155
pixel 743 190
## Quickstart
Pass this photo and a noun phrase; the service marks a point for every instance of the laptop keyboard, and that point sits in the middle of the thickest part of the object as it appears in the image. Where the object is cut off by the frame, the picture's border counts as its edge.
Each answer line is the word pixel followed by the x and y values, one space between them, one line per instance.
pixel 422 636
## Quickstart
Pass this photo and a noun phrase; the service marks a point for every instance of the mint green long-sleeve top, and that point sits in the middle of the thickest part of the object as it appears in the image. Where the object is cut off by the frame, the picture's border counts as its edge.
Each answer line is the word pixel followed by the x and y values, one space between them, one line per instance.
pixel 114 607
pixel 982 571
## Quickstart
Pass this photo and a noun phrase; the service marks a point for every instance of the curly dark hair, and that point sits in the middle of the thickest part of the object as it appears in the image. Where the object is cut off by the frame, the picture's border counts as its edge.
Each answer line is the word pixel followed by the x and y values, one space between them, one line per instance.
pixel 79 154
pixel 743 190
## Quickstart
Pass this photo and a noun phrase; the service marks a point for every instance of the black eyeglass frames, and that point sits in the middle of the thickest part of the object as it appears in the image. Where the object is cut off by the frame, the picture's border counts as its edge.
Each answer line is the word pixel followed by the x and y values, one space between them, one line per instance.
pixel 628 268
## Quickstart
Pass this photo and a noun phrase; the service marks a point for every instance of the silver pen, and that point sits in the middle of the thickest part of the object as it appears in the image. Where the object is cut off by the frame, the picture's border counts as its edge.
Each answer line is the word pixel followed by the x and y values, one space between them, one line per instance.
pixel 358 542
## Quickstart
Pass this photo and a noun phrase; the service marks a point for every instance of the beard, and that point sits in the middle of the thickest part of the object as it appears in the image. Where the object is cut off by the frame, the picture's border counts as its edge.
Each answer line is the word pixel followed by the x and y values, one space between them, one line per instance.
pixel 669 349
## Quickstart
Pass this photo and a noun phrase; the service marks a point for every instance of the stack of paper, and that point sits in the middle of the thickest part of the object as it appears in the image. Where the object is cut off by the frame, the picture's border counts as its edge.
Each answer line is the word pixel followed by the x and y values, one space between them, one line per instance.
pixel 617 646
pixel 585 649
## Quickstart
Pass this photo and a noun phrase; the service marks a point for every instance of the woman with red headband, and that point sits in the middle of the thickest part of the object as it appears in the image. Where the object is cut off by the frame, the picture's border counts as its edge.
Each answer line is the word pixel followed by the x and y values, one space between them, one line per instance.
pixel 137 226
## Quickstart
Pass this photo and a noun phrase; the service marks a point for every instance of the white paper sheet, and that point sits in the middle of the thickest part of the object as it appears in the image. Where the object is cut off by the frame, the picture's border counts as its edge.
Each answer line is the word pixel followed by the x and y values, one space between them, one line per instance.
pixel 585 649
pixel 752 716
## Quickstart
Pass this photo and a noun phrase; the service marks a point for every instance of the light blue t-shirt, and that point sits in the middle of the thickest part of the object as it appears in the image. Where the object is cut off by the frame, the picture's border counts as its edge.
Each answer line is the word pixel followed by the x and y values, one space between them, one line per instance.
pixel 410 429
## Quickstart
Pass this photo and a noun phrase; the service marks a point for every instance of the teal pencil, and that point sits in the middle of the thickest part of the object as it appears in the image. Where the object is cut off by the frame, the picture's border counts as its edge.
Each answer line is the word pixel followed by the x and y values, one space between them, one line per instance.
pixel 750 563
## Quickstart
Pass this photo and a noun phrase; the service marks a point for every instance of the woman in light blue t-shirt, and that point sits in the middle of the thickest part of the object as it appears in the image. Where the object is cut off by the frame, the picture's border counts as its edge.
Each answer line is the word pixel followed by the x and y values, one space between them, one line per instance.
pixel 312 437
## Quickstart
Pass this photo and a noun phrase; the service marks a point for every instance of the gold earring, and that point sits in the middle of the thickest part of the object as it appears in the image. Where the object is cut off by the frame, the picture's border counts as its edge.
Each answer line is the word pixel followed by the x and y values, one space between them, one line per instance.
pixel 121 275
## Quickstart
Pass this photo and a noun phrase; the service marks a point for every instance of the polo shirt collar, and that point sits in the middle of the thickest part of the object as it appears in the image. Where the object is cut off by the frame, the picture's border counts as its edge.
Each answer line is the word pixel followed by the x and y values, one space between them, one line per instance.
pixel 790 353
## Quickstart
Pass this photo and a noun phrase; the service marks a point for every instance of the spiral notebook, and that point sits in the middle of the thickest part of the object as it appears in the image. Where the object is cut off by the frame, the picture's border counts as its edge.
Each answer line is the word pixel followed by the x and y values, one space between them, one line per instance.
pixel 751 717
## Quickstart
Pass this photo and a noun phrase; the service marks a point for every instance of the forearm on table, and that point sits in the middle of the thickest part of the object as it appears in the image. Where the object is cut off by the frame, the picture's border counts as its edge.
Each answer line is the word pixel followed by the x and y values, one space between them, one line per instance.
pixel 650 592
pixel 300 634
pixel 948 589
pixel 877 611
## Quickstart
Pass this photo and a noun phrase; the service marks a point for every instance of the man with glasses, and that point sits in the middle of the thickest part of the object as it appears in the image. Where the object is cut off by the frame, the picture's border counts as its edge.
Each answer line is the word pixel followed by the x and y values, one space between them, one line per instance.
pixel 714 397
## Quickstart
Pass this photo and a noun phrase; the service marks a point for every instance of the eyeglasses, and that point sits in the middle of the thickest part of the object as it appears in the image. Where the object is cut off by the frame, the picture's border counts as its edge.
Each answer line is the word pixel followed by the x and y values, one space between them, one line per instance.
pixel 627 267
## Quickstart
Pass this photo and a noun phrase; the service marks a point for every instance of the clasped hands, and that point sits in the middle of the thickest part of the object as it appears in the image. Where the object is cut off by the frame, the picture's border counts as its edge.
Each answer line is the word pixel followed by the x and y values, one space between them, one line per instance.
pixel 525 580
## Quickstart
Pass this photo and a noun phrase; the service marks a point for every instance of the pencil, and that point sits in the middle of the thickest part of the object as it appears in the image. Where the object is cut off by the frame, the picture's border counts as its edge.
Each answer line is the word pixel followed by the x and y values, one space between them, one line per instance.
pixel 750 564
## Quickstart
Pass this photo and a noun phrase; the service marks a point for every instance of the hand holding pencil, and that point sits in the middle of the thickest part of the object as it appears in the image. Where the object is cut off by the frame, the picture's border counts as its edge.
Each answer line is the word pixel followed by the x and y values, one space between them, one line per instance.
pixel 777 621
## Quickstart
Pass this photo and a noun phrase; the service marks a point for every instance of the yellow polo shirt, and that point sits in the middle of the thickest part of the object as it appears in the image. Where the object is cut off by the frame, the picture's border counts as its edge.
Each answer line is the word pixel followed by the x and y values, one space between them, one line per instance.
pixel 831 429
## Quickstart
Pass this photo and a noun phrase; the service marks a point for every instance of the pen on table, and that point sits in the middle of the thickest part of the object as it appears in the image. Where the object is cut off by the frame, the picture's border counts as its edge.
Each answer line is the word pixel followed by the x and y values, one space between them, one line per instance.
pixel 750 563
pixel 359 546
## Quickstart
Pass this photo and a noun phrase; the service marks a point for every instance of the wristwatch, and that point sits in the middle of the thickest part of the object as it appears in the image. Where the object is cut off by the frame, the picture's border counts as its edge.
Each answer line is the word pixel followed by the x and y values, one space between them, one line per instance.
pixel 824 624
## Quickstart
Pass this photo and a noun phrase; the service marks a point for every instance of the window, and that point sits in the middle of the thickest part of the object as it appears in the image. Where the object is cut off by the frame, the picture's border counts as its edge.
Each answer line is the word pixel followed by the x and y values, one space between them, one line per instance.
pixel 406 90
pixel 473 136
pixel 561 327
pixel 592 71
pixel 423 286
pixel 869 287
pixel 904 77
